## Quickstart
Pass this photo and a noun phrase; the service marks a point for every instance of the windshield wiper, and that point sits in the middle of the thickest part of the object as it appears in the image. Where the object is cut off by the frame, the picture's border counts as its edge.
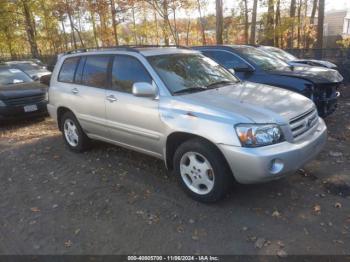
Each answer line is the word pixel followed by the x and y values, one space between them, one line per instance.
pixel 212 85
pixel 190 90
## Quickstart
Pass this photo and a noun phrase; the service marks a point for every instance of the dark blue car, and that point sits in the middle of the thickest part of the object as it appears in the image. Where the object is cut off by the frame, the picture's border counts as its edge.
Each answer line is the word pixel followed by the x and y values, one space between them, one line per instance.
pixel 254 65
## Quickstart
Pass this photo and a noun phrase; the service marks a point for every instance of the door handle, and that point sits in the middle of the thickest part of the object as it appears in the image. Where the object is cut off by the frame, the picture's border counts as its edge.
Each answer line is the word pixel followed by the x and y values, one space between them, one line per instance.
pixel 111 98
pixel 75 91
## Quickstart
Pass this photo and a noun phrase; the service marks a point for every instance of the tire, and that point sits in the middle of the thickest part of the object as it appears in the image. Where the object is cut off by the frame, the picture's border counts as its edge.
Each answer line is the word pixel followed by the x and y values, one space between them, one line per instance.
pixel 75 138
pixel 202 171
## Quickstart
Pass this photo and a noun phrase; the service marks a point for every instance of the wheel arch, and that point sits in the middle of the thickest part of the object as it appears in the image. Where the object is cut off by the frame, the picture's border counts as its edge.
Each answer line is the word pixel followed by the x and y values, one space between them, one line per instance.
pixel 60 112
pixel 175 139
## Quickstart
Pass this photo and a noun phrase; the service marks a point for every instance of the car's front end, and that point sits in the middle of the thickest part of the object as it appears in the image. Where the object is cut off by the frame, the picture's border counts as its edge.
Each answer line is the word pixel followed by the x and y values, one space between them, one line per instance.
pixel 20 97
pixel 303 139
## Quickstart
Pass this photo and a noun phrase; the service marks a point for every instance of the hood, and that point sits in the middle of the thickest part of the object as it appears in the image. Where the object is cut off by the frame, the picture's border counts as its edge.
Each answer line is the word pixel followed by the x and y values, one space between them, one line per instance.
pixel 256 103
pixel 22 90
pixel 317 75
pixel 314 62
pixel 38 73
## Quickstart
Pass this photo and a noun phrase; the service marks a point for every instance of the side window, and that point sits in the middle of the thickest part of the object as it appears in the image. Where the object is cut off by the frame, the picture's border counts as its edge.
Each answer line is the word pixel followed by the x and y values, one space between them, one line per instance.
pixel 226 59
pixel 126 71
pixel 68 70
pixel 96 71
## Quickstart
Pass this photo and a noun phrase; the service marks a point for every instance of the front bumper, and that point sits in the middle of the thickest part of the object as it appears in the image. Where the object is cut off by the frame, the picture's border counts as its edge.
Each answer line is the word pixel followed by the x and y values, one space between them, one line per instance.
pixel 254 165
pixel 17 112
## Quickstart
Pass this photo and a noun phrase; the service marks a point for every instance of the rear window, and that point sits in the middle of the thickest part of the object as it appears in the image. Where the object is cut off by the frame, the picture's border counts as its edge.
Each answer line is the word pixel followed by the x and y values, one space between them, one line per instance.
pixel 96 71
pixel 68 70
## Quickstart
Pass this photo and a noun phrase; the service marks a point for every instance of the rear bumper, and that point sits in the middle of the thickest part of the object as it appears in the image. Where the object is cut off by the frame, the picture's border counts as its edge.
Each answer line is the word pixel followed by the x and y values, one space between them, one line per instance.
pixel 254 165
pixel 17 112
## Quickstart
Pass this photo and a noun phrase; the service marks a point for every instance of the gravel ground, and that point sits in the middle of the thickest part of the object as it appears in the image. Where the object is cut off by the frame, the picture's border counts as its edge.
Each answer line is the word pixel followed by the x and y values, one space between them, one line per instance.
pixel 114 201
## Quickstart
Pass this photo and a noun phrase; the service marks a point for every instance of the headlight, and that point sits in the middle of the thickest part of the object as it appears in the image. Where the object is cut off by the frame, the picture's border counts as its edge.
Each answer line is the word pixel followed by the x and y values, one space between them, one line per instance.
pixel 2 103
pixel 252 135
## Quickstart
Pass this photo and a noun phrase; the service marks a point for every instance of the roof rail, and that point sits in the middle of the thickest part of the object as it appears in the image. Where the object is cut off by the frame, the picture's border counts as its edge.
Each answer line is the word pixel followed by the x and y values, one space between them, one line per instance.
pixel 131 48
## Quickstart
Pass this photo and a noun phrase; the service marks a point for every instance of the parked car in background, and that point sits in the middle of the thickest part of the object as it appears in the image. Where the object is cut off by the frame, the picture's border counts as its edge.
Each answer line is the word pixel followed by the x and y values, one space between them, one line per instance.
pixel 293 60
pixel 182 107
pixel 20 96
pixel 252 64
pixel 31 68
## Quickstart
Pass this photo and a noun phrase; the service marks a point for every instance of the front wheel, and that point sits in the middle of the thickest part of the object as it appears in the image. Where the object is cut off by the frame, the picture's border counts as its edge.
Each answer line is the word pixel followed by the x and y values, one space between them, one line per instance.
pixel 202 170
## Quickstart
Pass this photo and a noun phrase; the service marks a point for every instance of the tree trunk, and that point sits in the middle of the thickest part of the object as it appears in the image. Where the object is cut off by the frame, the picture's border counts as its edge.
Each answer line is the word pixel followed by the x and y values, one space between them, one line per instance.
pixel 319 43
pixel 270 31
pixel 305 23
pixel 313 12
pixel 204 41
pixel 166 20
pixel 246 22
pixel 292 16
pixel 299 24
pixel 253 26
pixel 114 23
pixel 175 25
pixel 93 21
pixel 188 31
pixel 29 29
pixel 219 22
pixel 71 25
pixel 277 23
pixel 64 34
pixel 156 22
pixel 134 24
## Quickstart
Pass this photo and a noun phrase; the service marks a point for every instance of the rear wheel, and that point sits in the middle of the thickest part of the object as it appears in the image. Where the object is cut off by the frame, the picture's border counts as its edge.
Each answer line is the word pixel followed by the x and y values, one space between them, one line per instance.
pixel 202 170
pixel 73 134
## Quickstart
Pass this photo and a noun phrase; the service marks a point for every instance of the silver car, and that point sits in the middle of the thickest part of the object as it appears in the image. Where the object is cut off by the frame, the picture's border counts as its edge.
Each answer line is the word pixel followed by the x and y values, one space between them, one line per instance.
pixel 177 105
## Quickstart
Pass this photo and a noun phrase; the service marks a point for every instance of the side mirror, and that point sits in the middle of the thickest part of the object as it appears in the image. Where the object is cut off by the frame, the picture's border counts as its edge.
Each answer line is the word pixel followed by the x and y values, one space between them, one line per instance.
pixel 45 79
pixel 35 78
pixel 232 71
pixel 143 89
pixel 244 69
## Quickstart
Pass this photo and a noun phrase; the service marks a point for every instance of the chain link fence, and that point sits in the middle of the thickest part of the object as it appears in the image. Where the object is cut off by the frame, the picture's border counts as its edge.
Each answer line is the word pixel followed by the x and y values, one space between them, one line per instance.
pixel 338 56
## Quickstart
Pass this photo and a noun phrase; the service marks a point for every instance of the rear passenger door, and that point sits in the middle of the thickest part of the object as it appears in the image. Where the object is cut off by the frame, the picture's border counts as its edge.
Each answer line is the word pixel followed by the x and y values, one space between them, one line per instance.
pixel 86 93
pixel 133 121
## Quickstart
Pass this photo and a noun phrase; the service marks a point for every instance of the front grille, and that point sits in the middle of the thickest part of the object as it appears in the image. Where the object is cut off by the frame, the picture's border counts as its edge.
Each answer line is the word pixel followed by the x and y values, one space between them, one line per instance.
pixel 22 101
pixel 325 97
pixel 301 124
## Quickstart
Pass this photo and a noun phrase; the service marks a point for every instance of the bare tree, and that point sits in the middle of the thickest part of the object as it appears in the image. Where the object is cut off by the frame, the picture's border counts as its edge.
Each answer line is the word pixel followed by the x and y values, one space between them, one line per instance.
pixel 201 21
pixel 30 28
pixel 114 22
pixel 319 42
pixel 292 16
pixel 270 29
pixel 246 22
pixel 253 26
pixel 277 24
pixel 313 12
pixel 219 22
pixel 299 23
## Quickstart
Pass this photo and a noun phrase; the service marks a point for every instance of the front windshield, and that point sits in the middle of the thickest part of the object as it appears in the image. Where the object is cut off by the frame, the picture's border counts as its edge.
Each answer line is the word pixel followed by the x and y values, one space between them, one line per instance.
pixel 13 76
pixel 262 59
pixel 185 72
pixel 27 66
pixel 279 53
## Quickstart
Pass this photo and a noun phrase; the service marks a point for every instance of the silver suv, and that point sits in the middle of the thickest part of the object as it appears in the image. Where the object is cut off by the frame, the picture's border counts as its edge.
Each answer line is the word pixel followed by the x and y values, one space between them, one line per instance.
pixel 177 105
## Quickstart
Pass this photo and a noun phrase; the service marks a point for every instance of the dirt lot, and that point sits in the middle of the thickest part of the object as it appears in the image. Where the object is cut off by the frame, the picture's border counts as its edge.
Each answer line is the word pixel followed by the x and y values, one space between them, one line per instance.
pixel 114 201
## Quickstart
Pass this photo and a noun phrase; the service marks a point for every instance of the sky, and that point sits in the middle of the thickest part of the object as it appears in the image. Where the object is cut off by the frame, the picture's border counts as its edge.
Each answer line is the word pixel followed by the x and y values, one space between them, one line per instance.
pixel 330 5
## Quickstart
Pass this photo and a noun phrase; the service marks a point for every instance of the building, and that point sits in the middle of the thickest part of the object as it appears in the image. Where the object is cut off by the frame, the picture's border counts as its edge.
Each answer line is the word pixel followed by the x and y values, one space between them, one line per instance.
pixel 336 27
